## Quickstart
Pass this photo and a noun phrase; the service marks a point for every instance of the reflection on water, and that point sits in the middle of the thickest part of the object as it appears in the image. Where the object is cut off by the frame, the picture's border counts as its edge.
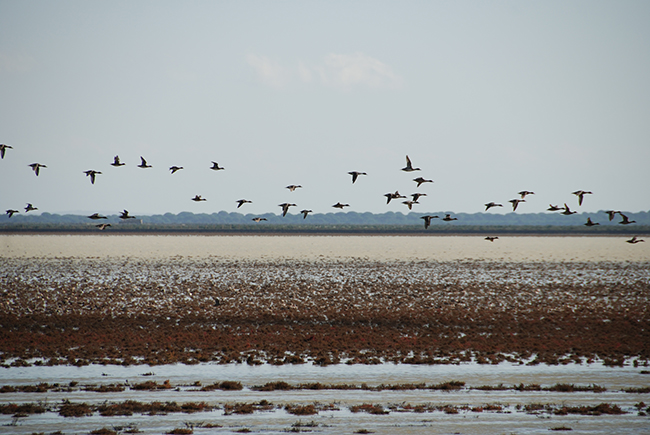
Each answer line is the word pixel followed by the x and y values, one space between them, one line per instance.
pixel 380 248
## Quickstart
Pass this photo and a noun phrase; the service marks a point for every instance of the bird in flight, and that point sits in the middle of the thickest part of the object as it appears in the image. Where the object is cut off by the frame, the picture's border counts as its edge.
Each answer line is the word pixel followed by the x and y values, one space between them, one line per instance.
pixel 409 167
pixel 103 226
pixel 523 193
pixel 305 213
pixel 92 175
pixel 143 163
pixel 391 196
pixel 581 194
pixel 417 196
pixel 589 223
pixel 30 208
pixel 258 219
pixel 355 175
pixel 567 211
pixel 611 214
pixel 515 203
pixel 634 240
pixel 11 212
pixel 427 220
pixel 285 208
pixel 491 239
pixel 489 205
pixel 3 148
pixel 197 198
pixel 448 218
pixel 421 180
pixel 625 220
pixel 552 207
pixel 339 205
pixel 96 216
pixel 216 167
pixel 241 202
pixel 174 169
pixel 409 204
pixel 36 167
pixel 293 187
pixel 116 162
pixel 125 215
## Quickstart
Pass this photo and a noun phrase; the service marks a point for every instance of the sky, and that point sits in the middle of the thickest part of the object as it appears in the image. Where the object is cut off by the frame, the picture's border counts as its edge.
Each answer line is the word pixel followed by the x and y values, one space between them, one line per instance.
pixel 488 98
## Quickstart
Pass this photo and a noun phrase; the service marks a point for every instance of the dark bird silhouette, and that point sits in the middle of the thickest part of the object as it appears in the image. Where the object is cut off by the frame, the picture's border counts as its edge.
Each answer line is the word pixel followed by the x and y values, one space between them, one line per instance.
pixel 409 204
pixel 96 216
pixel 355 175
pixel 448 218
pixel 293 187
pixel 125 215
pixel 581 194
pixel 421 180
pixel 3 148
pixel 103 226
pixel 489 205
pixel 589 223
pixel 285 208
pixel 197 198
pixel 552 207
pixel 175 168
pixel 390 196
pixel 305 213
pixel 92 175
pixel 258 219
pixel 116 162
pixel 143 163
pixel 625 220
pixel 491 239
pixel 30 208
pixel 515 203
pixel 417 196
pixel 427 220
pixel 567 211
pixel 409 167
pixel 611 214
pixel 523 193
pixel 634 240
pixel 241 202
pixel 36 167
pixel 339 205
pixel 10 212
pixel 216 167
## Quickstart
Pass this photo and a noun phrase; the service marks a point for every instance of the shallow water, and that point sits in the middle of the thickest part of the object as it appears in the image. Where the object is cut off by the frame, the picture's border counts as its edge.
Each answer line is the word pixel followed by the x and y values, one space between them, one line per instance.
pixel 374 248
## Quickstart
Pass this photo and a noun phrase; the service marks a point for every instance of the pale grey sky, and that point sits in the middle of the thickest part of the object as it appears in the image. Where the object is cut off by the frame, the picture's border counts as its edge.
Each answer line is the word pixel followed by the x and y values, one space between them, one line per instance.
pixel 488 98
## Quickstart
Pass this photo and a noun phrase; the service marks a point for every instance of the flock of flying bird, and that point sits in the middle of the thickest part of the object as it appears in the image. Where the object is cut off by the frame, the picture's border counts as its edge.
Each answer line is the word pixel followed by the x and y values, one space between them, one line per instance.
pixel 355 175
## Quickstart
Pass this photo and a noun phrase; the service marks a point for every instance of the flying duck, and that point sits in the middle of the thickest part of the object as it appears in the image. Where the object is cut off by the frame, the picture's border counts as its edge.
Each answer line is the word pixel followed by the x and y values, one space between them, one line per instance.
pixel 589 223
pixel 216 167
pixel 409 167
pixel 523 193
pixel 634 240
pixel 421 180
pixel 96 216
pixel 92 175
pixel 175 168
pixel 293 187
pixel 611 214
pixel 491 239
pixel 409 204
pixel 339 205
pixel 417 196
pixel 30 208
pixel 241 202
pixel 143 163
pixel 448 218
pixel 11 212
pixel 285 208
pixel 305 213
pixel 356 174
pixel 625 220
pixel 116 162
pixel 103 226
pixel 125 215
pixel 580 194
pixel 197 198
pixel 567 211
pixel 552 207
pixel 491 204
pixel 3 147
pixel 427 220
pixel 395 195
pixel 258 219
pixel 515 203
pixel 36 167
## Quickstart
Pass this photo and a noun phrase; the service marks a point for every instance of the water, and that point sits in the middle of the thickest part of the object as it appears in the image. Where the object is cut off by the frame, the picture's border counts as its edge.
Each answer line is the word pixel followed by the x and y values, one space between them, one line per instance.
pixel 96 259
